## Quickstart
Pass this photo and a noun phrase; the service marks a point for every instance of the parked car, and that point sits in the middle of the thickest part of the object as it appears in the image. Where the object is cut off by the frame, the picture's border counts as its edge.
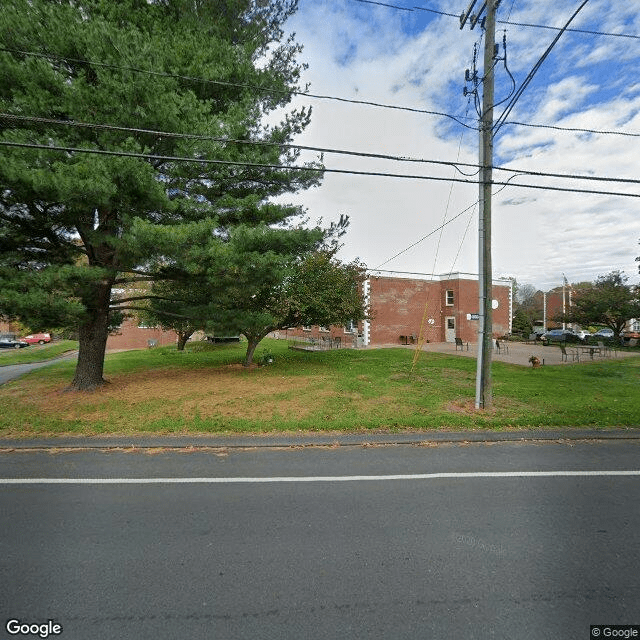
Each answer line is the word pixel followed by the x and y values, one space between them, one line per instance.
pixel 12 343
pixel 630 338
pixel 603 333
pixel 582 334
pixel 40 338
pixel 561 335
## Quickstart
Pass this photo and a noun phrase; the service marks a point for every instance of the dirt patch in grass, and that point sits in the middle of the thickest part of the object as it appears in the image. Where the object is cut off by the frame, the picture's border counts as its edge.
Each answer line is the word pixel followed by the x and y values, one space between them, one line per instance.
pixel 467 407
pixel 230 391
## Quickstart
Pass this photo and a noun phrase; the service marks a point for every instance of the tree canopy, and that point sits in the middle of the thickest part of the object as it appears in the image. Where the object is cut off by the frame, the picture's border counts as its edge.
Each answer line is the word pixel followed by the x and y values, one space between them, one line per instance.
pixel 610 301
pixel 141 125
pixel 261 293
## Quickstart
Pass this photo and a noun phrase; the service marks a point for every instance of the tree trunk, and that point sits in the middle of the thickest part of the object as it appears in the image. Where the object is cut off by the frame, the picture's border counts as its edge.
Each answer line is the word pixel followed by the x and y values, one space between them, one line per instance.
pixel 92 337
pixel 182 339
pixel 252 343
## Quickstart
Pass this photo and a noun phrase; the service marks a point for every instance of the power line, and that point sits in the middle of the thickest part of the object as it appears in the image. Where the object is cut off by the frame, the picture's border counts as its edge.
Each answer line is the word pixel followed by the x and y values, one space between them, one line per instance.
pixel 417 242
pixel 505 114
pixel 591 32
pixel 628 134
pixel 585 31
pixel 242 85
pixel 457 119
pixel 189 136
pixel 414 244
pixel 384 4
pixel 410 9
pixel 128 154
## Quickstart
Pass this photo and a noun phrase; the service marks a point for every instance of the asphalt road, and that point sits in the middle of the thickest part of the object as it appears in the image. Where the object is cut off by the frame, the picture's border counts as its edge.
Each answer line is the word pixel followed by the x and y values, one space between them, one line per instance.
pixel 323 542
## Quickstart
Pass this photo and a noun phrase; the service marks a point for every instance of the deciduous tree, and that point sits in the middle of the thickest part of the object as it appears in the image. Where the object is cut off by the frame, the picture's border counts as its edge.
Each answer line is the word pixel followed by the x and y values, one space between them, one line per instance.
pixel 317 289
pixel 610 302
pixel 261 292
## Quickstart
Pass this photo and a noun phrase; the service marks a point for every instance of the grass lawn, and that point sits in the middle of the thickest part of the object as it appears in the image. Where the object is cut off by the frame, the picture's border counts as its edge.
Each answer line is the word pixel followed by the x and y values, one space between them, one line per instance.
pixel 36 352
pixel 205 390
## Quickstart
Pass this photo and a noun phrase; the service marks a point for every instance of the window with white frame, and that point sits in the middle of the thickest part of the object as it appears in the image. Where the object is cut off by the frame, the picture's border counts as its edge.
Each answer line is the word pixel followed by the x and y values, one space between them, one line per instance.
pixel 449 298
pixel 350 327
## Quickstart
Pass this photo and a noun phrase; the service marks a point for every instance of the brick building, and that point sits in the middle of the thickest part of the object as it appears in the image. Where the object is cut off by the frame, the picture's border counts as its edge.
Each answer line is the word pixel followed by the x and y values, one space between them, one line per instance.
pixel 398 302
pixel 132 335
pixel 448 303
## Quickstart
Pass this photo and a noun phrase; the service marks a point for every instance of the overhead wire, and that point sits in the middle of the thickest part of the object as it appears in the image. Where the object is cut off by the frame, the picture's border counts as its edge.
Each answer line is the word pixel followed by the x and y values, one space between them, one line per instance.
pixel 585 31
pixel 423 238
pixel 324 150
pixel 604 132
pixel 197 160
pixel 456 118
pixel 506 68
pixel 422 334
pixel 433 231
pixel 239 85
pixel 525 83
pixel 591 32
pixel 410 9
pixel 225 140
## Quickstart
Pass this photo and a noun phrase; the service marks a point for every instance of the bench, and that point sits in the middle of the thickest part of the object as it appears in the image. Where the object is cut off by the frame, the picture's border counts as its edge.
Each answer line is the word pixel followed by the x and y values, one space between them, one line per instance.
pixel 575 354
pixel 408 339
pixel 502 346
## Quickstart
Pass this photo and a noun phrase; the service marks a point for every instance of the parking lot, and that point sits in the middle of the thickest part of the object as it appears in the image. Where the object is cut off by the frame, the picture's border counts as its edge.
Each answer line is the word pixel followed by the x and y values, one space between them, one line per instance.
pixel 520 352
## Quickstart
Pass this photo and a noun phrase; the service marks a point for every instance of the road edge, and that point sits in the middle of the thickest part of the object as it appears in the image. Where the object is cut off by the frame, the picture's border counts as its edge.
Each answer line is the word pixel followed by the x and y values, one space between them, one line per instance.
pixel 305 439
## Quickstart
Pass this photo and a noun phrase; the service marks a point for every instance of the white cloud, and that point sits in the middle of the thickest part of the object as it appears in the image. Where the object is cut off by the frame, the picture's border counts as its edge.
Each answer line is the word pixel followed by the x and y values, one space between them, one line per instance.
pixel 365 52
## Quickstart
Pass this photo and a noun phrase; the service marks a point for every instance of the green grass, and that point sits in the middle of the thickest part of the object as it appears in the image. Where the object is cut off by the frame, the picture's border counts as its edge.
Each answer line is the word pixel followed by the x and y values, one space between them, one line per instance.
pixel 203 390
pixel 36 353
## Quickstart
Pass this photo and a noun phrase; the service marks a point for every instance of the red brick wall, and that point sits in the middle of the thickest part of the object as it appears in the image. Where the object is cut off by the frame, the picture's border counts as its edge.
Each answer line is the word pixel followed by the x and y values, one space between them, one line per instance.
pixel 316 333
pixel 130 336
pixel 554 307
pixel 398 306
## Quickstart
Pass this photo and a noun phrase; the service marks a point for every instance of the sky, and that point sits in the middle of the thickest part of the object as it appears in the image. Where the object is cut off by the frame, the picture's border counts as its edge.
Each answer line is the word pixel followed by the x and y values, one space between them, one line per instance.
pixel 417 60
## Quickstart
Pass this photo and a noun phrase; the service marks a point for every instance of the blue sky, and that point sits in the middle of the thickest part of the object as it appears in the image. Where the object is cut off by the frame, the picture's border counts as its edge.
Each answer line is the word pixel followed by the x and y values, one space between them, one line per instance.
pixel 417 59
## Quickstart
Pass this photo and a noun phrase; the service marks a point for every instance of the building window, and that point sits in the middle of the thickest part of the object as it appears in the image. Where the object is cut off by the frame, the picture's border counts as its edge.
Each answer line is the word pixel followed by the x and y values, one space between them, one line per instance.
pixel 306 328
pixel 449 297
pixel 350 327
pixel 324 329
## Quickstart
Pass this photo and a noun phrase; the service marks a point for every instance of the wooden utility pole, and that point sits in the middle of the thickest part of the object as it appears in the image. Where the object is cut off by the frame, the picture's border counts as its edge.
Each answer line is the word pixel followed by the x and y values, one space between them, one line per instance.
pixel 484 393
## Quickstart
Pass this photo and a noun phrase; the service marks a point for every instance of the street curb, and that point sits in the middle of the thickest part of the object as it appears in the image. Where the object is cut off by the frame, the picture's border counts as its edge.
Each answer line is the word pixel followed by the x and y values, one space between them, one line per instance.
pixel 333 439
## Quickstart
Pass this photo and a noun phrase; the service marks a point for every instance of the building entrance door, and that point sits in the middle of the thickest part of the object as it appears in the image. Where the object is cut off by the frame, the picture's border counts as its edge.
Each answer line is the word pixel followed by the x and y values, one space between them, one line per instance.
pixel 450 329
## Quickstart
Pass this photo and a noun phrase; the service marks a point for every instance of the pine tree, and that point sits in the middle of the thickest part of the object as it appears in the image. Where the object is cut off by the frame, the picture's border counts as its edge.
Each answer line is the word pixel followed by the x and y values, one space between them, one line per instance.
pixel 79 229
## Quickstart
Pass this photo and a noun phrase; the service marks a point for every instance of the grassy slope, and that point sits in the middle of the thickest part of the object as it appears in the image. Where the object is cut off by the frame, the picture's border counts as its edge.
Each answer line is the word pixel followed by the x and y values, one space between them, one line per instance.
pixel 36 353
pixel 203 390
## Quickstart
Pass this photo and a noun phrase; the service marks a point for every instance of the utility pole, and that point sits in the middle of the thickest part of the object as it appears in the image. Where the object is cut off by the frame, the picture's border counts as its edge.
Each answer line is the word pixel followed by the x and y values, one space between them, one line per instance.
pixel 484 395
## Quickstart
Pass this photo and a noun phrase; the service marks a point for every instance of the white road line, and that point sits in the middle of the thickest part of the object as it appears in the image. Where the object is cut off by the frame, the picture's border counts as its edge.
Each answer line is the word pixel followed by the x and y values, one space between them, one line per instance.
pixel 277 479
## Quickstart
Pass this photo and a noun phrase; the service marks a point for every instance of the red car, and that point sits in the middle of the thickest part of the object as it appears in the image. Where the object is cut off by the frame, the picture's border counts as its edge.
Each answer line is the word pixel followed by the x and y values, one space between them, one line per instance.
pixel 40 338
